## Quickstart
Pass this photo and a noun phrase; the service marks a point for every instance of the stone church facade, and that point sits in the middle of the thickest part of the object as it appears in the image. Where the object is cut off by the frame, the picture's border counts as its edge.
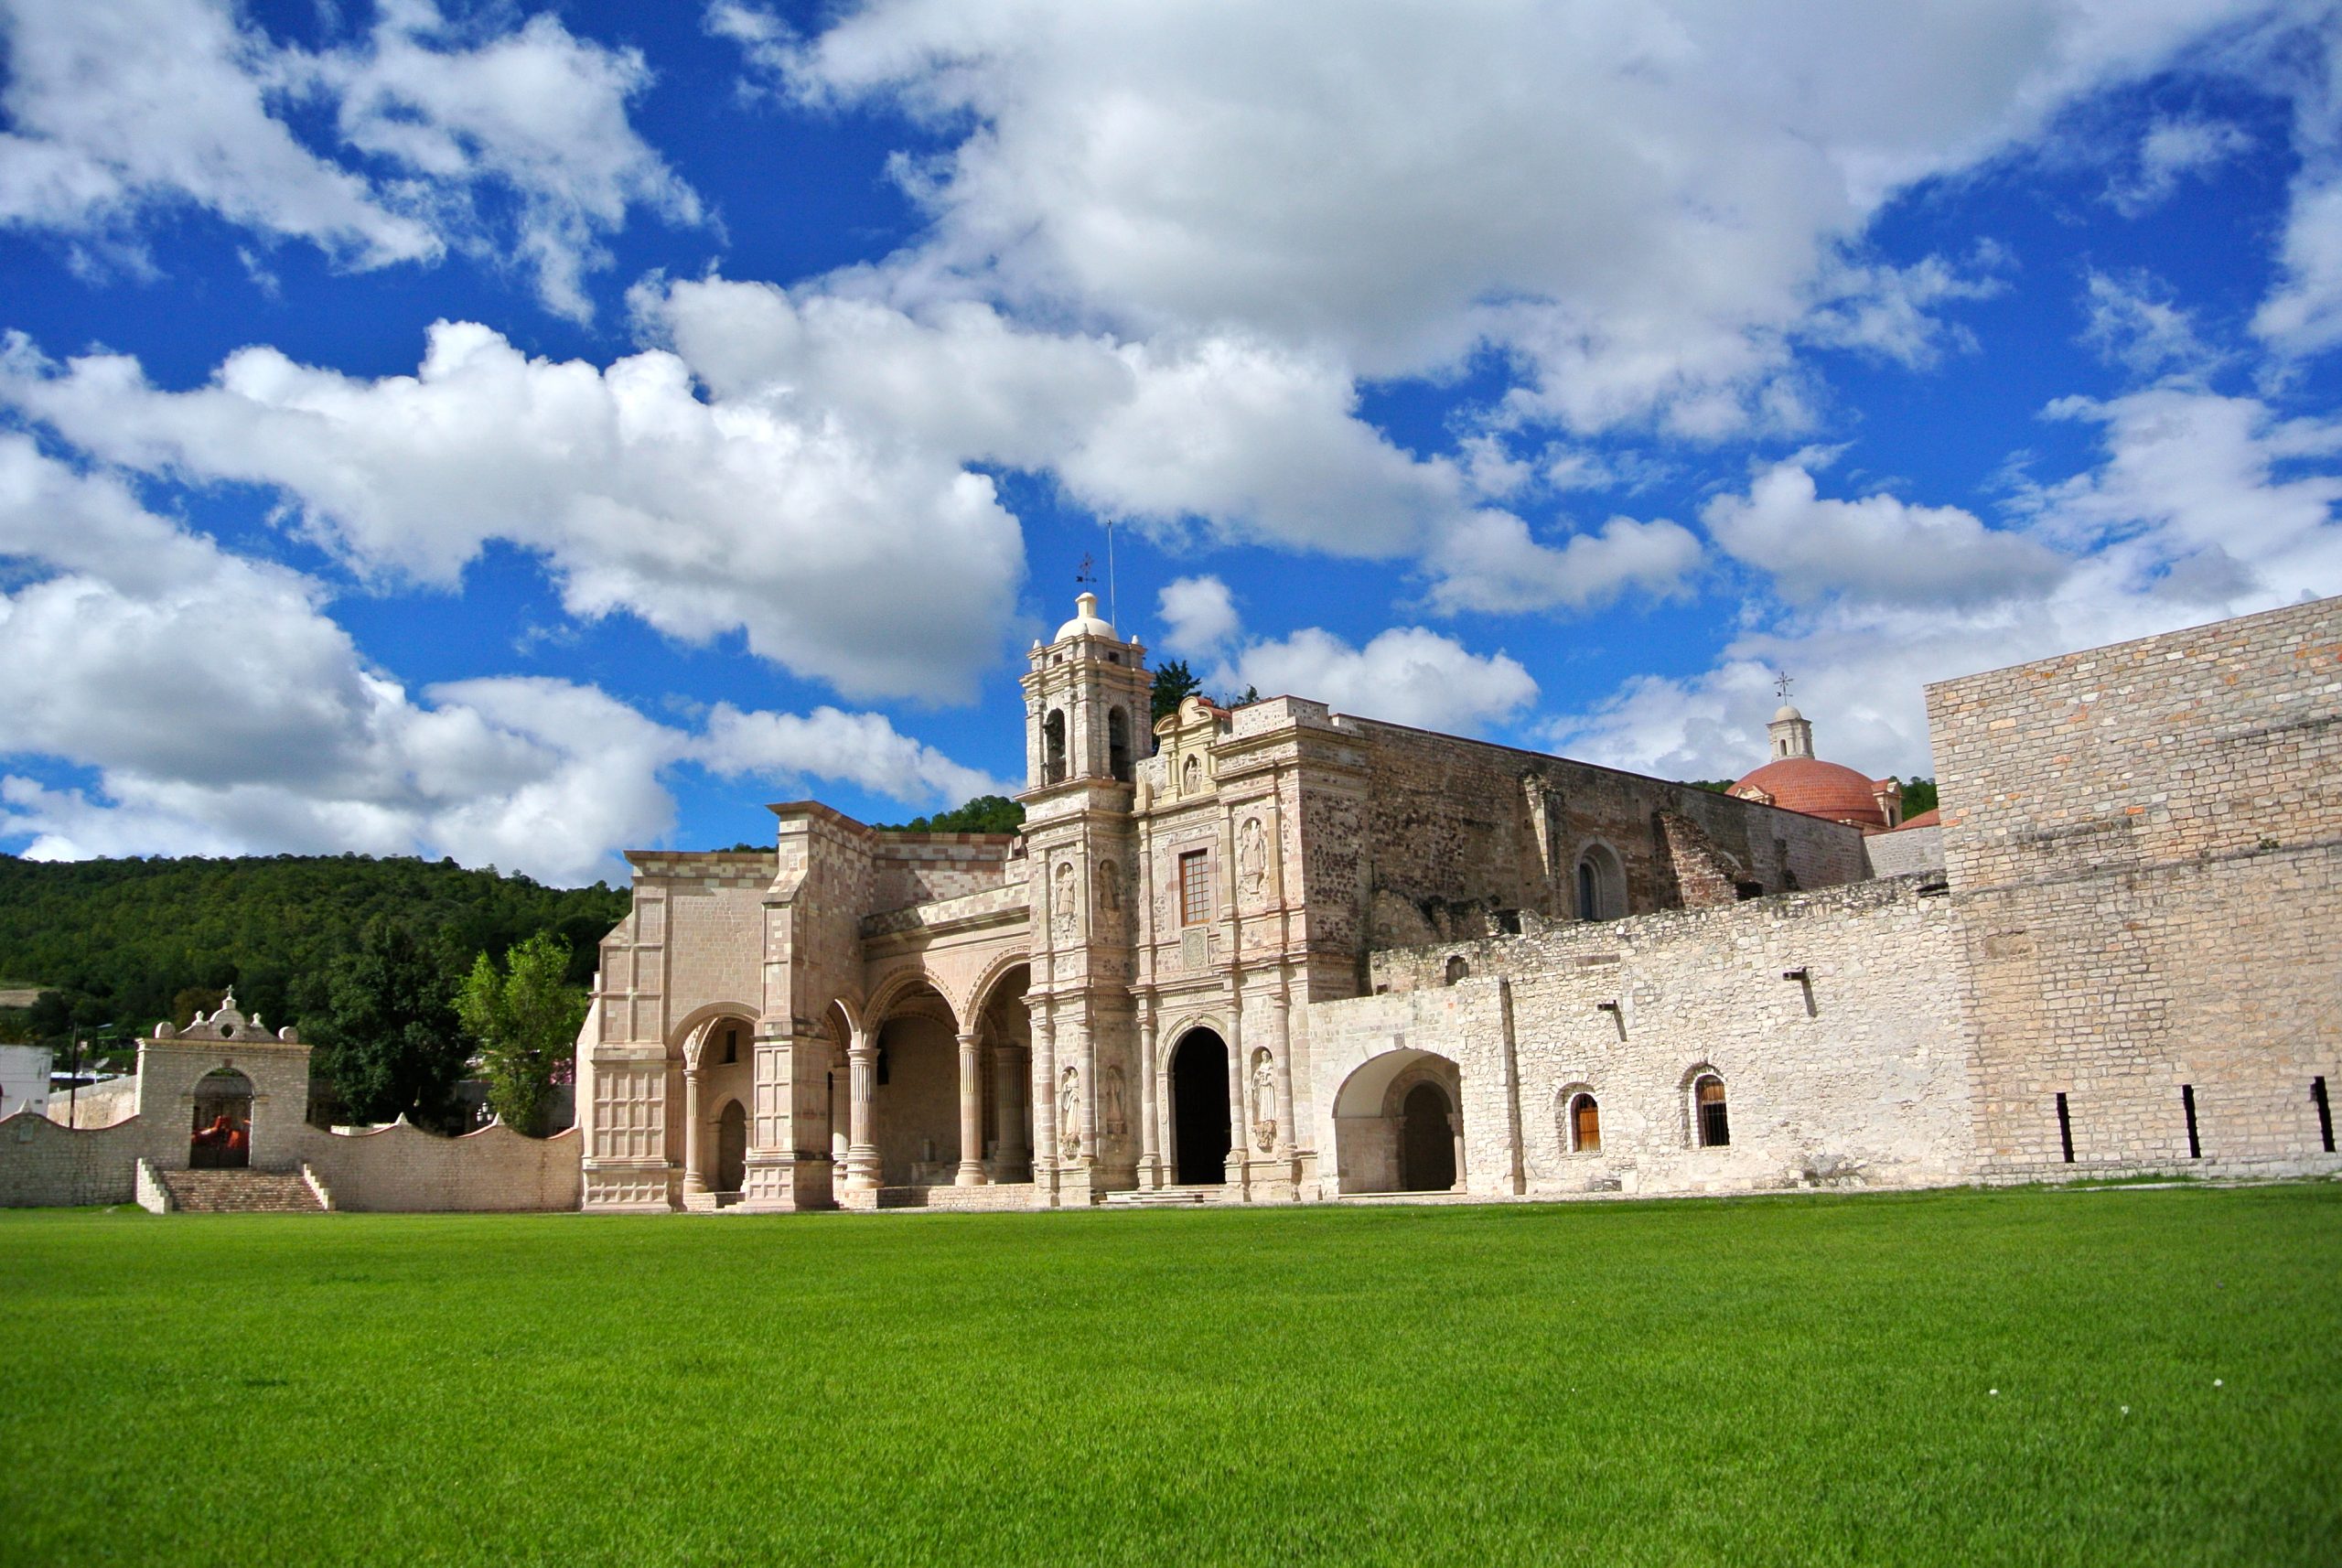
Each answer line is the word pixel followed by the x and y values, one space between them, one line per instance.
pixel 1280 953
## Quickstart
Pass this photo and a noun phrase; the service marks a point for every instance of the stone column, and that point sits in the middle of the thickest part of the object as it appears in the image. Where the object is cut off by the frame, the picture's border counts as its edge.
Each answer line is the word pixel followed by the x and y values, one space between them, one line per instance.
pixel 1150 1136
pixel 862 1148
pixel 1240 1137
pixel 1008 1070
pixel 972 1116
pixel 1281 1027
pixel 1086 1102
pixel 694 1179
pixel 1045 1087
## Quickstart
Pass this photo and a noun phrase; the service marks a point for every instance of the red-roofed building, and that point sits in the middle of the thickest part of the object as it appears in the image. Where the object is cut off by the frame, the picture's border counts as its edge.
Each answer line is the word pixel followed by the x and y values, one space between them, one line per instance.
pixel 1797 780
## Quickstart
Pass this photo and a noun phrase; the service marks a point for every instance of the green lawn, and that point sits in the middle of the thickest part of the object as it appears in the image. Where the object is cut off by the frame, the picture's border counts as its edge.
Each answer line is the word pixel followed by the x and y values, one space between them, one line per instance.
pixel 1794 1380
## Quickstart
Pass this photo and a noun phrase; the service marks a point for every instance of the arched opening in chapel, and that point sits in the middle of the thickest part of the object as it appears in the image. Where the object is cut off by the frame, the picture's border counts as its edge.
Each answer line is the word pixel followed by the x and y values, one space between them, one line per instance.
pixel 731 1148
pixel 915 1096
pixel 1397 1125
pixel 1199 1109
pixel 220 1137
pixel 726 1076
pixel 1005 1077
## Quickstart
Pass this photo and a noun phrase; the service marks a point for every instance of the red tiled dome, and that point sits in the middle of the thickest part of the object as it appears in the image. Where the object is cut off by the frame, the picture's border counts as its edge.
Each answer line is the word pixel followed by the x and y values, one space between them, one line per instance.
pixel 1816 788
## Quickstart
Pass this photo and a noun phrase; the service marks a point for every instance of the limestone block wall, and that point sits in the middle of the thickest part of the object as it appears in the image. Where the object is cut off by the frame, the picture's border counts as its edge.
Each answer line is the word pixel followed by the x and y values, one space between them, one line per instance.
pixel 914 868
pixel 1903 851
pixel 43 1165
pixel 1869 1085
pixel 97 1105
pixel 1455 830
pixel 402 1169
pixel 2145 843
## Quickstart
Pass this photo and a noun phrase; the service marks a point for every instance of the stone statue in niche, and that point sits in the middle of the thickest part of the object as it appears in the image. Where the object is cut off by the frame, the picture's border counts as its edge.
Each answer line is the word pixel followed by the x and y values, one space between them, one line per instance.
pixel 1265 1102
pixel 1070 1113
pixel 1191 777
pixel 1109 1093
pixel 1063 914
pixel 1109 892
pixel 1251 858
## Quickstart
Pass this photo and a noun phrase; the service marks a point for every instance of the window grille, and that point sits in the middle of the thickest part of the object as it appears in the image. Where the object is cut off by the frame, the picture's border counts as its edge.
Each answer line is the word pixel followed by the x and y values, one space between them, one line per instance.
pixel 1715 1126
pixel 1195 889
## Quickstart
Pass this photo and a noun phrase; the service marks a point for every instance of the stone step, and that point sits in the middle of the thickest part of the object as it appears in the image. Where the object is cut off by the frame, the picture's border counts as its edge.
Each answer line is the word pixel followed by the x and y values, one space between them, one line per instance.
pixel 238 1192
pixel 1163 1197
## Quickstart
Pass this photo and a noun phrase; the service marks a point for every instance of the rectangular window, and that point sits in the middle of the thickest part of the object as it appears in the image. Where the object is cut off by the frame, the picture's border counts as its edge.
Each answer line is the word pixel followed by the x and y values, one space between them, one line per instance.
pixel 1195 889
pixel 2325 1112
pixel 2188 1103
pixel 2065 1129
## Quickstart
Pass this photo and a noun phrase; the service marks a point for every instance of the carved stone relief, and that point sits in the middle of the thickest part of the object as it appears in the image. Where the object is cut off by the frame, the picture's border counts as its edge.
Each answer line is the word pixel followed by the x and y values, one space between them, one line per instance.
pixel 1265 1102
pixel 1070 1113
pixel 1116 1115
pixel 1064 909
pixel 1251 858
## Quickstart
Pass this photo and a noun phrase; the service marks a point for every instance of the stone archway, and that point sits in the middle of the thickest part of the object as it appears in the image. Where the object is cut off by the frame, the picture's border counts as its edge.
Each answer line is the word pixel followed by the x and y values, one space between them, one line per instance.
pixel 220 1136
pixel 1399 1124
pixel 1199 1109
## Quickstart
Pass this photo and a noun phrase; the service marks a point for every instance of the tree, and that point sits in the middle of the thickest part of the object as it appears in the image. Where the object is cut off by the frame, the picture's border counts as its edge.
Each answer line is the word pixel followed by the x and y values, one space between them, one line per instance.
pixel 524 1019
pixel 387 1038
pixel 985 814
pixel 1919 795
pixel 1173 682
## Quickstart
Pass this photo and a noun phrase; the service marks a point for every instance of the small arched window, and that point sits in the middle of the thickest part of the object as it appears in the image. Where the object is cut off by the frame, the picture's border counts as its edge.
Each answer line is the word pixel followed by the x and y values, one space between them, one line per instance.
pixel 1457 969
pixel 1585 1125
pixel 1601 886
pixel 1118 745
pixel 1053 744
pixel 1713 1126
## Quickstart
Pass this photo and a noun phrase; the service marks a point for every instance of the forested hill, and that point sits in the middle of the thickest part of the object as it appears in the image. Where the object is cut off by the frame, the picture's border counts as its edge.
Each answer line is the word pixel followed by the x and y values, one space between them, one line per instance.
pixel 122 939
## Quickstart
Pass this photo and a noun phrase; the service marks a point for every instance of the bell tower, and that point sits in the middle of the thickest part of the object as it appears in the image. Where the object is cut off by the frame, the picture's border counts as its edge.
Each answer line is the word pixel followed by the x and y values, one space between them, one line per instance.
pixel 1085 704
pixel 1086 710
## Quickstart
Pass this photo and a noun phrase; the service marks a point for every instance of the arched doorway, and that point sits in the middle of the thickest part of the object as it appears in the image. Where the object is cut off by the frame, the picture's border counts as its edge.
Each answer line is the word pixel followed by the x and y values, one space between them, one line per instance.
pixel 731 1147
pixel 221 1136
pixel 1398 1124
pixel 1426 1141
pixel 1199 1109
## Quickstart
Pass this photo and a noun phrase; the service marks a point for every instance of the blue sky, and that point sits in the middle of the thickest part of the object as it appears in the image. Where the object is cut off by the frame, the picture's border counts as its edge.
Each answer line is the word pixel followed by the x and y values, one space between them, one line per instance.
pixel 523 432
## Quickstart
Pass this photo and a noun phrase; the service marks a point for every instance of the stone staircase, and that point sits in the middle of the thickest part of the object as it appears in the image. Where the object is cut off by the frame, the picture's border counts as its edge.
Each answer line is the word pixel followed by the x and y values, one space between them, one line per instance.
pixel 1164 1197
pixel 238 1192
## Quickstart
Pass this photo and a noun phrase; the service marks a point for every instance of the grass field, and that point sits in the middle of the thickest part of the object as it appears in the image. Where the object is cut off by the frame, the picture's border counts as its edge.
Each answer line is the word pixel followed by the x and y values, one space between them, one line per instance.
pixel 1796 1379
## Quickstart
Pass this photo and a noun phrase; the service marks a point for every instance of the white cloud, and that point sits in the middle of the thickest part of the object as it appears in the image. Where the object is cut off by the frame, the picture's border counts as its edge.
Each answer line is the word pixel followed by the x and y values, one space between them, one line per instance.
pixel 1405 675
pixel 2200 507
pixel 2175 147
pixel 2136 323
pixel 1256 441
pixel 2304 314
pixel 1644 207
pixel 1198 615
pixel 1488 562
pixel 1878 548
pixel 224 711
pixel 118 109
pixel 861 750
pixel 124 110
pixel 877 568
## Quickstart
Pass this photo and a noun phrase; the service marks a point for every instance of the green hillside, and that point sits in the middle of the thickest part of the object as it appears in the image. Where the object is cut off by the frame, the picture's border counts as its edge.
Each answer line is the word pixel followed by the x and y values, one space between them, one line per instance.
pixel 122 938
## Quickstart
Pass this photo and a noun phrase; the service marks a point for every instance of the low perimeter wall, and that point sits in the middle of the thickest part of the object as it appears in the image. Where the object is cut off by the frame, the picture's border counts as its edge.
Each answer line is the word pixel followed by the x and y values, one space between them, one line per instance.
pixel 397 1169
